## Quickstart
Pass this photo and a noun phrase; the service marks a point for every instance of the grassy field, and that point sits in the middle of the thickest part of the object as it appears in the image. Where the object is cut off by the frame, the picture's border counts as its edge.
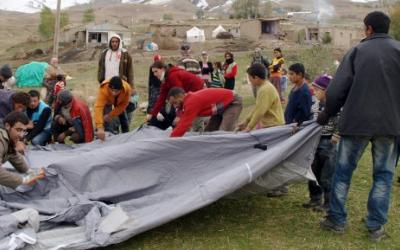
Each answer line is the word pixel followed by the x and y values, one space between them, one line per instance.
pixel 255 222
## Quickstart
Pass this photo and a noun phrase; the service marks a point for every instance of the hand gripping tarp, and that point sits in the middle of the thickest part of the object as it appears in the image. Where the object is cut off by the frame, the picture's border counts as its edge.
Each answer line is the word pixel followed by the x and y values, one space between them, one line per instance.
pixel 104 193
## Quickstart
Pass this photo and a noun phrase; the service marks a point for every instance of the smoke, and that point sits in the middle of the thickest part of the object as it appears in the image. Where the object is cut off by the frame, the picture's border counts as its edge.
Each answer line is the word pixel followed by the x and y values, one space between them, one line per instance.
pixel 324 9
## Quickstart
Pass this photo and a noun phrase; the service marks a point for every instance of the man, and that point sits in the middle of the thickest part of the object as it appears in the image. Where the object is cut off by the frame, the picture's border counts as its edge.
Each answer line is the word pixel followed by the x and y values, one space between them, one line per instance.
pixel 5 74
pixel 39 114
pixel 15 126
pixel 50 79
pixel 12 101
pixel 187 62
pixel 170 77
pixel 268 109
pixel 223 105
pixel 116 61
pixel 115 92
pixel 368 92
pixel 72 119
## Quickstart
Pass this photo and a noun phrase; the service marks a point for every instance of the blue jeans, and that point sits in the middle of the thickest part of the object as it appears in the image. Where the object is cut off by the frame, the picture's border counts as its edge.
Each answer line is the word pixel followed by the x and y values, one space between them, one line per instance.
pixel 42 138
pixel 384 154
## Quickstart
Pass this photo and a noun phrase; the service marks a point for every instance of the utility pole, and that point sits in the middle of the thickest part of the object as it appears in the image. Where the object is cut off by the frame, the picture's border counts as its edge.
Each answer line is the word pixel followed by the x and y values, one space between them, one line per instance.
pixel 57 30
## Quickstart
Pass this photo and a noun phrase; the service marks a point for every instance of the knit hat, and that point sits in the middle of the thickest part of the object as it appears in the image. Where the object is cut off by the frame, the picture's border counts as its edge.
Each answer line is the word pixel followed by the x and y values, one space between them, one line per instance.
pixel 115 83
pixel 322 82
pixel 6 71
pixel 185 47
pixel 64 97
pixel 157 58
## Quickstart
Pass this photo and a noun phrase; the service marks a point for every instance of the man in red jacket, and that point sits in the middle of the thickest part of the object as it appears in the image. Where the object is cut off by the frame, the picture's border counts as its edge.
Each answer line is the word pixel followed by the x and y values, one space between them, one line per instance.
pixel 71 118
pixel 223 105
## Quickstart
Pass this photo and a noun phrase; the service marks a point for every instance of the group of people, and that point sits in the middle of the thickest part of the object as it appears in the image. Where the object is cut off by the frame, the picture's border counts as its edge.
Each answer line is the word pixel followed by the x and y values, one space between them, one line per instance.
pixel 190 92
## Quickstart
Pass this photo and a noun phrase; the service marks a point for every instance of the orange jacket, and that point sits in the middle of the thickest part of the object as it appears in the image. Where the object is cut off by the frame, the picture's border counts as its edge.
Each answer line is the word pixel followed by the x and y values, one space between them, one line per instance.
pixel 105 97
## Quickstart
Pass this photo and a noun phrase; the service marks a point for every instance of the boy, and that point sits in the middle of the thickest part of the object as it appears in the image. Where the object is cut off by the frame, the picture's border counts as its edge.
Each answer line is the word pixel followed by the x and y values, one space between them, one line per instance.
pixel 323 165
pixel 298 109
pixel 39 114
pixel 268 110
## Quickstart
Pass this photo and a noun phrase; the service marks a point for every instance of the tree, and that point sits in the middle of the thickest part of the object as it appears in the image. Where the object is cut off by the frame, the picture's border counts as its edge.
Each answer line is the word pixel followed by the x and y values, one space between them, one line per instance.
pixel 200 14
pixel 317 60
pixel 47 22
pixel 246 8
pixel 88 16
pixel 46 26
pixel 395 23
pixel 267 10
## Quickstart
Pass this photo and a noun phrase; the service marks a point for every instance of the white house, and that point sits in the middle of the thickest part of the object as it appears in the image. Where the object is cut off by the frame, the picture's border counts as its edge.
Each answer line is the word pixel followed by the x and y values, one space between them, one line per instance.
pixel 217 30
pixel 195 35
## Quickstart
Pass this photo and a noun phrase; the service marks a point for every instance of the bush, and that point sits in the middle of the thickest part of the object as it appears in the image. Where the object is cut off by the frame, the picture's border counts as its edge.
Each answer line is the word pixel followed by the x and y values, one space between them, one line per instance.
pixel 395 24
pixel 327 39
pixel 168 17
pixel 47 22
pixel 88 16
pixel 317 60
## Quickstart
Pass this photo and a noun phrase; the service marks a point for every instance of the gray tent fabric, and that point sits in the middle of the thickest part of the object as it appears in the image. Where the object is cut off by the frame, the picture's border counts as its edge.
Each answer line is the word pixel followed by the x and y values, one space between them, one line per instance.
pixel 103 193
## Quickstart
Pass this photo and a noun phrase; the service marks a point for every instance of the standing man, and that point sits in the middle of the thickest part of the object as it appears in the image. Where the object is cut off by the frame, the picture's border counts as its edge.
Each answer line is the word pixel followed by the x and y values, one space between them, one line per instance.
pixel 114 93
pixel 39 114
pixel 116 61
pixel 368 93
pixel 187 62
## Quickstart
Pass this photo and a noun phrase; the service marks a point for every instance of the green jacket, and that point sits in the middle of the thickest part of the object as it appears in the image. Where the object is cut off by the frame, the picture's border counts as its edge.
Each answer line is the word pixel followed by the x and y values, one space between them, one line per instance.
pixel 7 153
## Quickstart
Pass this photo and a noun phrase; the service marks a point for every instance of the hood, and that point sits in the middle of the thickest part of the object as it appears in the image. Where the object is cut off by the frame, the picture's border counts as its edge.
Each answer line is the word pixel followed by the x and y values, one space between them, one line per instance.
pixel 116 36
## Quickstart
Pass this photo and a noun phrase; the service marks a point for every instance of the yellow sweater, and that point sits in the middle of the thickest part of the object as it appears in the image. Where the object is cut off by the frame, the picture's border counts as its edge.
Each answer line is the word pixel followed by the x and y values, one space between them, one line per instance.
pixel 268 110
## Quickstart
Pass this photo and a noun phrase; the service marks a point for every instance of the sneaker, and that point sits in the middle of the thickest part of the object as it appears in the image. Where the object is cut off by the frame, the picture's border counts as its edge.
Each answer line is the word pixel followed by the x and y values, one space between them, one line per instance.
pixel 376 235
pixel 329 225
pixel 321 208
pixel 312 204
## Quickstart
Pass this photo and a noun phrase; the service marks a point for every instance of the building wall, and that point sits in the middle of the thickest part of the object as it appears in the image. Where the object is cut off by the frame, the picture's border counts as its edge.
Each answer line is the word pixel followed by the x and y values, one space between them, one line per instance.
pixel 343 37
pixel 250 29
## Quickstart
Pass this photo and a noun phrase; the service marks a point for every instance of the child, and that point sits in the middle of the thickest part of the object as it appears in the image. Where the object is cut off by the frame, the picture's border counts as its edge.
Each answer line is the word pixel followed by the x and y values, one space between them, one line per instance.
pixel 217 76
pixel 268 110
pixel 284 84
pixel 276 70
pixel 60 85
pixel 298 109
pixel 323 165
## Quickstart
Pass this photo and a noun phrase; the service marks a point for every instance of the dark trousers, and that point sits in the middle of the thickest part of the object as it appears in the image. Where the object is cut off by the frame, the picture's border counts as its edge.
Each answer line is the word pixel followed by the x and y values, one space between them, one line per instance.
pixel 323 168
pixel 228 119
pixel 168 119
pixel 75 136
pixel 114 125
pixel 229 83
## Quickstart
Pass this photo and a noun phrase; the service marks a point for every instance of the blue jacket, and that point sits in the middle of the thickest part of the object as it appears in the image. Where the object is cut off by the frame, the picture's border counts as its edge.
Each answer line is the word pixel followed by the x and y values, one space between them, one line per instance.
pixel 298 109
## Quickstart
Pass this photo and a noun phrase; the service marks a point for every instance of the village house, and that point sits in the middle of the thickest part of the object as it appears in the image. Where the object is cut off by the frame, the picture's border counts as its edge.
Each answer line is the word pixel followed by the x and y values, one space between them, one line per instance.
pixel 93 34
pixel 255 29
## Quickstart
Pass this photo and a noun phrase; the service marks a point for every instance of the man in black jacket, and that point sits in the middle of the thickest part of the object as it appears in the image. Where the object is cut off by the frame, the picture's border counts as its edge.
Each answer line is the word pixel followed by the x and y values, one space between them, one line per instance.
pixel 366 86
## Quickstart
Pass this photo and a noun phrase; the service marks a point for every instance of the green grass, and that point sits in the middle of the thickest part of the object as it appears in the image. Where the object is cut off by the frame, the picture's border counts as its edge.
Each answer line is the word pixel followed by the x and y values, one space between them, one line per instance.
pixel 259 222
pixel 255 222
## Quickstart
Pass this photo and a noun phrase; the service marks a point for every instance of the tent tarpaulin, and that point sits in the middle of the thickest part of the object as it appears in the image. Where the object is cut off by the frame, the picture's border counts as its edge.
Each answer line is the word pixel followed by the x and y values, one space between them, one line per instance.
pixel 217 30
pixel 103 193
pixel 195 35
pixel 31 74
